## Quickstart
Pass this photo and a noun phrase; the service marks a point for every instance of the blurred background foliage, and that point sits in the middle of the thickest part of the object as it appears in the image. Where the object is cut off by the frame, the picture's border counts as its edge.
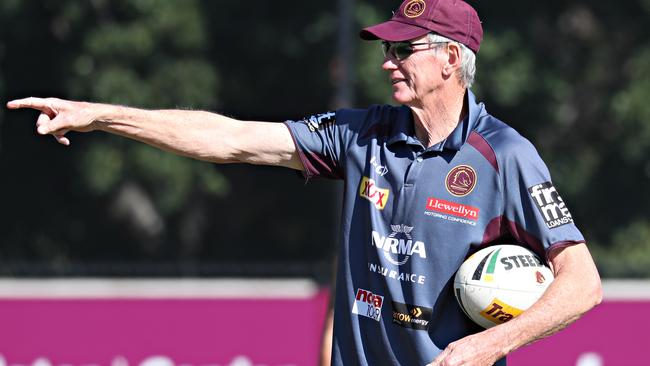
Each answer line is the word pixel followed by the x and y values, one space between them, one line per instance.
pixel 571 76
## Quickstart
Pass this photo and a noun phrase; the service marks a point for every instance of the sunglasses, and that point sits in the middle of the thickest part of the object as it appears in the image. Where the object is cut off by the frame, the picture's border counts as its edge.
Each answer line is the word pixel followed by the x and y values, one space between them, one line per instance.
pixel 402 50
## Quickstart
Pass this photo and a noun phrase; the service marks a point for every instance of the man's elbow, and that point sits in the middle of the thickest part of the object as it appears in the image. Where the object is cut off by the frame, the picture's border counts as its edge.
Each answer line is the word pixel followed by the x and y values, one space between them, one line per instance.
pixel 596 292
pixel 592 292
pixel 586 284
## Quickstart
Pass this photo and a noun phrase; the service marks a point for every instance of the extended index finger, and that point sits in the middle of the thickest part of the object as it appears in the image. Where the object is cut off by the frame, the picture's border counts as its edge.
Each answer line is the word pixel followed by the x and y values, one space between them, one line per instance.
pixel 31 102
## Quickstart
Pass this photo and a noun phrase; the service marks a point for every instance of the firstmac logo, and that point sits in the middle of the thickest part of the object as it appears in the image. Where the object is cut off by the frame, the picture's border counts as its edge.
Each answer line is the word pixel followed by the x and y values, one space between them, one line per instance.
pixel 550 204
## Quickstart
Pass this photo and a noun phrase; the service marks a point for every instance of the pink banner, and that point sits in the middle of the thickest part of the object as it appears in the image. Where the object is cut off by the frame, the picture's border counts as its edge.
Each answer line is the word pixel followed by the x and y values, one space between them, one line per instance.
pixel 614 333
pixel 186 332
pixel 256 331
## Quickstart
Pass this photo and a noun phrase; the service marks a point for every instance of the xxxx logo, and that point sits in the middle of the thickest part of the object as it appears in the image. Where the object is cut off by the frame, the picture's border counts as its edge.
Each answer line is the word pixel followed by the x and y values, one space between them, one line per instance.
pixel 369 190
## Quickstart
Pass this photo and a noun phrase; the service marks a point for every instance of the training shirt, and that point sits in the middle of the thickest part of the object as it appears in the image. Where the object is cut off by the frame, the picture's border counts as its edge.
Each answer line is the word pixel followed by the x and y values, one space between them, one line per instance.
pixel 411 215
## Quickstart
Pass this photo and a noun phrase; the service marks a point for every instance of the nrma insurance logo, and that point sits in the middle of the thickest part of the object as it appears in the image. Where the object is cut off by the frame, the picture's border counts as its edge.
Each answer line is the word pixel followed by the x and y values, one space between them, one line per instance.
pixel 368 304
pixel 398 247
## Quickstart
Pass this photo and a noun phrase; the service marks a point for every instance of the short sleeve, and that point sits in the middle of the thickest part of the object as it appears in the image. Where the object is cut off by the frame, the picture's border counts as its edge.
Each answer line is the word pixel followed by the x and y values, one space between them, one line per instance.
pixel 318 140
pixel 535 212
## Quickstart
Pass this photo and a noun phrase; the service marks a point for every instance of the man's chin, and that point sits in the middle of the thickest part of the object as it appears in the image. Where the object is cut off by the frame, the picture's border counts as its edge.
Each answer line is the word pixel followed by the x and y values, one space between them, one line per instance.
pixel 401 99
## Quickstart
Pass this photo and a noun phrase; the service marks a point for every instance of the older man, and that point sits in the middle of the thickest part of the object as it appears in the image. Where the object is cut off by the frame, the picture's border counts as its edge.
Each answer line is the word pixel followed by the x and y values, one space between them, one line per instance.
pixel 397 252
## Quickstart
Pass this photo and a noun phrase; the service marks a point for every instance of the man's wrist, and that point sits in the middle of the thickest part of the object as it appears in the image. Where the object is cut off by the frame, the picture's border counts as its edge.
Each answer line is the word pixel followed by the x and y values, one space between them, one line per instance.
pixel 503 338
pixel 104 114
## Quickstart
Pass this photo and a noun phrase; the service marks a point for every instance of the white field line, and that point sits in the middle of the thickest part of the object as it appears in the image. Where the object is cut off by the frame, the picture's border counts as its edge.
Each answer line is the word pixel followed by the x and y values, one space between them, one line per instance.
pixel 97 288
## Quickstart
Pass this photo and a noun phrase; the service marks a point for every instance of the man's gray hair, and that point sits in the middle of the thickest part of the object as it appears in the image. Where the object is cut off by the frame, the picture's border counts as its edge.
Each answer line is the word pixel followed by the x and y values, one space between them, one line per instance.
pixel 467 69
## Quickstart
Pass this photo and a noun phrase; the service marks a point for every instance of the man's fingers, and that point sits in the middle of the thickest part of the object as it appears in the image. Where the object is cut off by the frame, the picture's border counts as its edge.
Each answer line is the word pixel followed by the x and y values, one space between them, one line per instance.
pixel 42 123
pixel 61 139
pixel 41 104
pixel 44 126
pixel 30 102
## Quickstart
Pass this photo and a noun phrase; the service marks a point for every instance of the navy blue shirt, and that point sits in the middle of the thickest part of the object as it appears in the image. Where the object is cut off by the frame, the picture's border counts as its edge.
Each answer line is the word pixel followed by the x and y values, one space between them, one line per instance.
pixel 411 215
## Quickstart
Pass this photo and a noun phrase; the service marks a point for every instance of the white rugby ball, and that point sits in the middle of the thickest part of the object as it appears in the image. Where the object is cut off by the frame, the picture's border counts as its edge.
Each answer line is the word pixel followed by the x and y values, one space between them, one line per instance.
pixel 499 282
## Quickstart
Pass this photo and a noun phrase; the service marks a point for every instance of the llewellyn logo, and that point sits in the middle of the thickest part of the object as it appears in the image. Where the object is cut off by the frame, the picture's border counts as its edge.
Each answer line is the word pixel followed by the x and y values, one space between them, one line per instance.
pixel 452 208
pixel 369 190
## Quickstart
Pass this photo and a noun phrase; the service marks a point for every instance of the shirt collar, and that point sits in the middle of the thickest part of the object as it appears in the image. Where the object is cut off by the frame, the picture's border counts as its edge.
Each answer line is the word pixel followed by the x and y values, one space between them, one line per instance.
pixel 404 131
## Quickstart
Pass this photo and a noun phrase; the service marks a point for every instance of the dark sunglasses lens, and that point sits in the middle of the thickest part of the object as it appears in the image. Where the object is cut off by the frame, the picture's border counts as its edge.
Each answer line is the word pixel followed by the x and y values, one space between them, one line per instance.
pixel 385 47
pixel 399 50
pixel 402 50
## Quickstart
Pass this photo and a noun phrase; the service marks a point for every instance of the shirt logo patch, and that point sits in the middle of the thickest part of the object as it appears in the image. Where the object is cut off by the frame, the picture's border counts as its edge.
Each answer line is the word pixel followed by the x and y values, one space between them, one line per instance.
pixel 550 204
pixel 452 208
pixel 319 121
pixel 369 190
pixel 399 246
pixel 411 316
pixel 368 304
pixel 381 170
pixel 414 8
pixel 461 180
pixel 396 275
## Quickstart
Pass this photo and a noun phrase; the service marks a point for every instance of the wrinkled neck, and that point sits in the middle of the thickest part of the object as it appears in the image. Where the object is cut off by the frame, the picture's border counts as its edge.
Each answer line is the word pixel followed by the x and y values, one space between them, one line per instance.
pixel 438 116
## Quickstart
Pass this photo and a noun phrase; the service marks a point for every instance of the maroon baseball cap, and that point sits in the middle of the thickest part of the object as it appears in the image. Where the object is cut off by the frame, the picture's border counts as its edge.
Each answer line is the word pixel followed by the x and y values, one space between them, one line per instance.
pixel 454 19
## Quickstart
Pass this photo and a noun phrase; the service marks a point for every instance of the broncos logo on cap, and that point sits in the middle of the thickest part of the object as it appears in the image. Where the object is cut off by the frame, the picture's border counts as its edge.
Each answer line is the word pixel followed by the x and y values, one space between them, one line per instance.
pixel 414 8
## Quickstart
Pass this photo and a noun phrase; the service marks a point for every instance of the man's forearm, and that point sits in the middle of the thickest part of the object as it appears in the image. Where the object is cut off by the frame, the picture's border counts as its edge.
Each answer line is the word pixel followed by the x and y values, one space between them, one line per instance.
pixel 197 134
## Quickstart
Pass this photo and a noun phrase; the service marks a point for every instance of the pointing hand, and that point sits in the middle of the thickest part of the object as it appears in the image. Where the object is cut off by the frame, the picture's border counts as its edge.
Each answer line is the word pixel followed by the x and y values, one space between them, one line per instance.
pixel 59 116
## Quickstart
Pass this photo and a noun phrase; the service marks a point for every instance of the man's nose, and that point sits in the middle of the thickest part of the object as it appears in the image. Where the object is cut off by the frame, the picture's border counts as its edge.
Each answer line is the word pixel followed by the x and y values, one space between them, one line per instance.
pixel 389 63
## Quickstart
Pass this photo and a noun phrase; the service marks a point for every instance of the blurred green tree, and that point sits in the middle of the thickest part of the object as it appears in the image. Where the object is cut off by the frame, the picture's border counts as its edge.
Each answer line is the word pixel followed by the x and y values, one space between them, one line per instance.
pixel 572 77
pixel 113 201
pixel 133 52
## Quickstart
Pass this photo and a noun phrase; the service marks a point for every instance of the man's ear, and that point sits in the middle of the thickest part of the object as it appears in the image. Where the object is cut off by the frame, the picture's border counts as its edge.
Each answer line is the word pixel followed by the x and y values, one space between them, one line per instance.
pixel 454 59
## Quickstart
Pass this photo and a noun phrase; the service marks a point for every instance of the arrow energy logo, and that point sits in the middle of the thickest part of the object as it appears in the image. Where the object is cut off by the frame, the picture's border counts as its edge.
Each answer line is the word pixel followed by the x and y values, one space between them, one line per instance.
pixel 411 316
